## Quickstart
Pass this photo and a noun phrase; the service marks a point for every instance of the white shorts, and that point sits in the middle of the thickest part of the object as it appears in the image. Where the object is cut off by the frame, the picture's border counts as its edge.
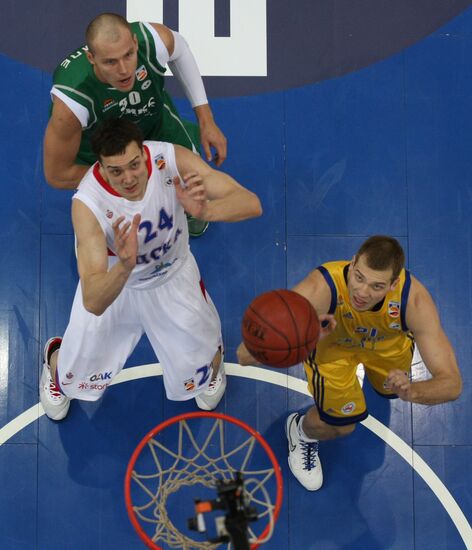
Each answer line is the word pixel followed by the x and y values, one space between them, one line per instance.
pixel 179 319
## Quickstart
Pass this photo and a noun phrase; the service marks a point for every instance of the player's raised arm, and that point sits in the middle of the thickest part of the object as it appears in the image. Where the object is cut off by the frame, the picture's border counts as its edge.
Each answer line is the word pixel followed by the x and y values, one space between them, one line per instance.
pixel 100 286
pixel 184 67
pixel 436 351
pixel 212 195
pixel 61 144
pixel 316 291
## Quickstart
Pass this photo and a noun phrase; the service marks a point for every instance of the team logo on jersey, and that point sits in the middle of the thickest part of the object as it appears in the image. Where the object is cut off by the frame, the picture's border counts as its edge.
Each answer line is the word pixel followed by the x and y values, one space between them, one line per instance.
pixel 169 181
pixel 395 326
pixel 394 309
pixel 109 214
pixel 141 73
pixel 160 162
pixel 189 384
pixel 145 85
pixel 348 408
pixel 348 315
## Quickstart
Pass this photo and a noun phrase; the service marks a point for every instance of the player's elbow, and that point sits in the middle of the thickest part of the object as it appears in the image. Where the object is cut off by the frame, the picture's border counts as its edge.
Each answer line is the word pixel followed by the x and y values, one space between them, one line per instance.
pixel 55 179
pixel 56 183
pixel 93 307
pixel 255 206
pixel 456 389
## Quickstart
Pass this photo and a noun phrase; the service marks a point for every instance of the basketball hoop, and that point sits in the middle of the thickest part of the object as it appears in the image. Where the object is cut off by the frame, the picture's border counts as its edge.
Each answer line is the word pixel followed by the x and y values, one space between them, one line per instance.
pixel 200 451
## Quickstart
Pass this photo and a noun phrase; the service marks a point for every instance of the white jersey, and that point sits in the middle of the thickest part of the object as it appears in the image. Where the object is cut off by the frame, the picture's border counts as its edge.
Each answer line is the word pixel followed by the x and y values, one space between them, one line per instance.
pixel 163 241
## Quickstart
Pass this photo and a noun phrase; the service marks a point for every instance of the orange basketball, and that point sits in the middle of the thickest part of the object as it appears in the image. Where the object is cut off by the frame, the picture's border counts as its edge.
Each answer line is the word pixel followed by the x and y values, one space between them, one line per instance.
pixel 280 328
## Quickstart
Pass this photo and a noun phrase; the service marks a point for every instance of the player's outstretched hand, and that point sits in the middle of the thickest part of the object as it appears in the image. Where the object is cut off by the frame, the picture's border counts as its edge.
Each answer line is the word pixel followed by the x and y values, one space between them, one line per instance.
pixel 328 324
pixel 126 240
pixel 212 136
pixel 398 382
pixel 191 193
pixel 244 357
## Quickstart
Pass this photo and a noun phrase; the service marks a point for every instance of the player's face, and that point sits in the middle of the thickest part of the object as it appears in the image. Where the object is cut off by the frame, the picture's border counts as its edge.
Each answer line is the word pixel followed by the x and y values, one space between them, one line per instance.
pixel 115 63
pixel 127 172
pixel 366 286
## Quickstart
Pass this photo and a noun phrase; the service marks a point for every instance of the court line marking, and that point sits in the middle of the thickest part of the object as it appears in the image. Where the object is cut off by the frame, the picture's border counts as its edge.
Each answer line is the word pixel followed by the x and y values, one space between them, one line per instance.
pixel 299 385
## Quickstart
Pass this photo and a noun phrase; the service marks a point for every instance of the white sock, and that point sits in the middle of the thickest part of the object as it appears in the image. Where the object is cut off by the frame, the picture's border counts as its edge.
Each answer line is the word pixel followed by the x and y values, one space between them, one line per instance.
pixel 302 434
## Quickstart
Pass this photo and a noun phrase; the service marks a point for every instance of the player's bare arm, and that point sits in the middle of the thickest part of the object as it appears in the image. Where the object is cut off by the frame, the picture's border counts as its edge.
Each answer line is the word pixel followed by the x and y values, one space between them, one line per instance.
pixel 100 286
pixel 316 290
pixel 61 145
pixel 185 69
pixel 228 201
pixel 423 320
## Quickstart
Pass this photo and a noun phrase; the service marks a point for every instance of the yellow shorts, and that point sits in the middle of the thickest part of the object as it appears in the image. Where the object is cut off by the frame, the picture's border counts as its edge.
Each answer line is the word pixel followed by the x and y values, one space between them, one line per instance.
pixel 336 389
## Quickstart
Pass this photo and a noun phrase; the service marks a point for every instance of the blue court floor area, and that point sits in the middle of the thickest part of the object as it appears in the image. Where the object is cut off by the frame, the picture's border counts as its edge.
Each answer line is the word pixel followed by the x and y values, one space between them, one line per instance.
pixel 382 150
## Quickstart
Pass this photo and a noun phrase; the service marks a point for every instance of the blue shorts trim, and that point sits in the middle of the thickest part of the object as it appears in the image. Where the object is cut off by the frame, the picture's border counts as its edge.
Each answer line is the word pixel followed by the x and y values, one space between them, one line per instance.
pixel 341 421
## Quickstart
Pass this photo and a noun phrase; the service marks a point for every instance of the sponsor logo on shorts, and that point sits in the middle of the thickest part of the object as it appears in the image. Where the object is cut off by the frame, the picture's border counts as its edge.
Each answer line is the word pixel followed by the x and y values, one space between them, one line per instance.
pixel 348 408
pixel 99 387
pixel 100 376
pixel 361 330
pixel 141 73
pixel 189 384
pixel 169 181
pixel 394 309
pixel 109 214
pixel 68 380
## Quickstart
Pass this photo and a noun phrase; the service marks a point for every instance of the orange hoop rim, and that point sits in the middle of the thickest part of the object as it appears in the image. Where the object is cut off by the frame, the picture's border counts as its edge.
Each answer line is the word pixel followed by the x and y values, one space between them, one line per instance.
pixel 187 416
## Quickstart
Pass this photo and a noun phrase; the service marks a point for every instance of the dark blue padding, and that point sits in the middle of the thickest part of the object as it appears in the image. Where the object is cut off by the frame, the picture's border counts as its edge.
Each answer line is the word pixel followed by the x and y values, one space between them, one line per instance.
pixel 332 286
pixel 404 300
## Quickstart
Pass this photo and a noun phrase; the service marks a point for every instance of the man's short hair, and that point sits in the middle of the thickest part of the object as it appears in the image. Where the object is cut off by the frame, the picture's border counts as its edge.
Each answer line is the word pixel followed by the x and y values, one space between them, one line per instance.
pixel 108 24
pixel 113 136
pixel 382 253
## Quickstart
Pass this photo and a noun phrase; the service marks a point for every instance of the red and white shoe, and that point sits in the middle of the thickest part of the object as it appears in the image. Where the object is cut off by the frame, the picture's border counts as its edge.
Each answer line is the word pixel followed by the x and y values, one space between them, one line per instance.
pixel 55 403
pixel 209 399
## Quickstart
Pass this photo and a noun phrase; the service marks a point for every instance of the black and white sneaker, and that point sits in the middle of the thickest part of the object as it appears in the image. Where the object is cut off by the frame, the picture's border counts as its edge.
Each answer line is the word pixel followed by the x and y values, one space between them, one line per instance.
pixel 303 458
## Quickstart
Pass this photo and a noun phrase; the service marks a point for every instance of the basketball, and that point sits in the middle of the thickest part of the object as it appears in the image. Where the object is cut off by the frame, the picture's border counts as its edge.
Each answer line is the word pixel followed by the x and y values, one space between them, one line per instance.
pixel 280 328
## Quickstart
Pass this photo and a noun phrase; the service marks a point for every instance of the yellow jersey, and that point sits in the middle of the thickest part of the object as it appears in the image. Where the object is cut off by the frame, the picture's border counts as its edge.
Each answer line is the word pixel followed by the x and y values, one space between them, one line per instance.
pixel 379 332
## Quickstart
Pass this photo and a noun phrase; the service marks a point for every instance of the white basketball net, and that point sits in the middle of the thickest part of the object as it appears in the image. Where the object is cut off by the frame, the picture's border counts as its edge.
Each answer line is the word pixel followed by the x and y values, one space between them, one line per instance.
pixel 193 464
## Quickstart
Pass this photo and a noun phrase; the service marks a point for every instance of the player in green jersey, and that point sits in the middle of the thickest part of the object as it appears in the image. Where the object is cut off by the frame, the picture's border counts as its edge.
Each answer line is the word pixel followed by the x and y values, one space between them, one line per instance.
pixel 120 73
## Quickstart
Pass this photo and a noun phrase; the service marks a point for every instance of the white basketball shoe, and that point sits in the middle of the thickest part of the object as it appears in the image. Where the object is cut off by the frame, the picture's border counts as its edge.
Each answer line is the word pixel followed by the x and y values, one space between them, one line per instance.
pixel 55 403
pixel 209 399
pixel 303 458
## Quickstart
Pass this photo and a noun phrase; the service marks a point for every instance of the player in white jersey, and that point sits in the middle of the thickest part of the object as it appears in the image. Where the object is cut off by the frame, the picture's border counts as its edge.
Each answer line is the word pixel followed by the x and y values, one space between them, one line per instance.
pixel 132 203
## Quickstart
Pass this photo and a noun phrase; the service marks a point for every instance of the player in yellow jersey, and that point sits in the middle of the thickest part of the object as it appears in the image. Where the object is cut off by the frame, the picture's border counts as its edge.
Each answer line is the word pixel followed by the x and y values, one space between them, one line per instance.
pixel 377 312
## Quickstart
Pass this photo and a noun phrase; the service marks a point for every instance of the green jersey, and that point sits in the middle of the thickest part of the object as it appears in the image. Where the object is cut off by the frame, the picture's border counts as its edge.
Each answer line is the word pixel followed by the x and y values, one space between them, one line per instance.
pixel 147 104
